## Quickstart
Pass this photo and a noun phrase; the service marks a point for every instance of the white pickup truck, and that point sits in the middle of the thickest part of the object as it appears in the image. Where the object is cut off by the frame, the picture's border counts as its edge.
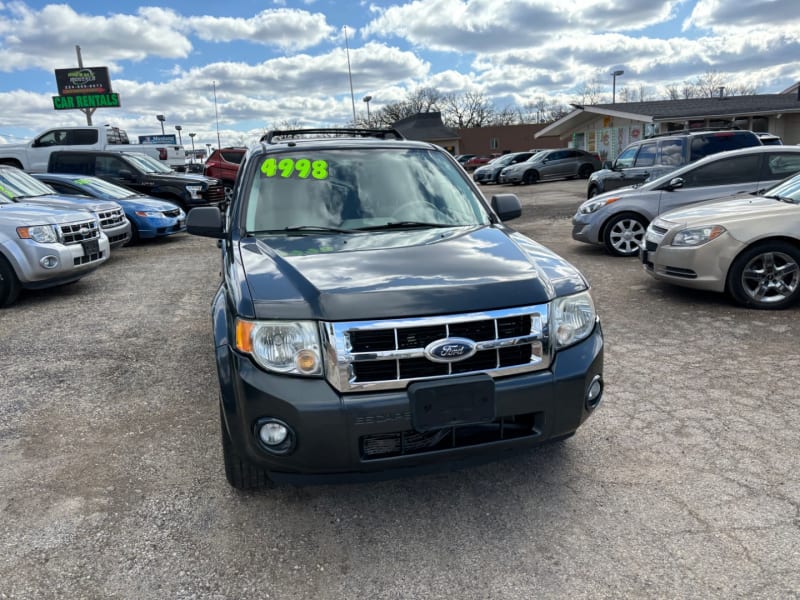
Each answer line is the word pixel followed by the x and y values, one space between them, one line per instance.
pixel 34 155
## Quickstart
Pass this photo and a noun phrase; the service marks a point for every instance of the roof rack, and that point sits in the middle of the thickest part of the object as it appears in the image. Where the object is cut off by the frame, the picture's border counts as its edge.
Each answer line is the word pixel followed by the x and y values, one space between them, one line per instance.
pixel 331 132
pixel 697 130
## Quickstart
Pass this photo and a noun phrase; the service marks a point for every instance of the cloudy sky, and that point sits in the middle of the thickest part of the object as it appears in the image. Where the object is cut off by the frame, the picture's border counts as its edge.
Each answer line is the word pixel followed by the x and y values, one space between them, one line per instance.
pixel 279 60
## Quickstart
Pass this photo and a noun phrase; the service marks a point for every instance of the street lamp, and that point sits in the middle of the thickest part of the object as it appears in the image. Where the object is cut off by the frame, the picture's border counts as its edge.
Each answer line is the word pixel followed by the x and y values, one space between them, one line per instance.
pixel 614 75
pixel 161 120
pixel 191 135
pixel 178 129
pixel 366 99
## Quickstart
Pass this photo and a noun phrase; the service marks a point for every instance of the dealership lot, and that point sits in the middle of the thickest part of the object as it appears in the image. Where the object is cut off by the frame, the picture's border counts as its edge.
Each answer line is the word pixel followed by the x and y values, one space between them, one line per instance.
pixel 685 483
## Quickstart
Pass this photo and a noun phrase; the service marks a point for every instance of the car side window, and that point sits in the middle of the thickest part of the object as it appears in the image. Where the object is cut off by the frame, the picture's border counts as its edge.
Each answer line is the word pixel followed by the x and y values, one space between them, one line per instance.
pixel 780 165
pixel 110 166
pixel 646 156
pixel 670 152
pixel 557 155
pixel 727 171
pixel 625 159
pixel 55 137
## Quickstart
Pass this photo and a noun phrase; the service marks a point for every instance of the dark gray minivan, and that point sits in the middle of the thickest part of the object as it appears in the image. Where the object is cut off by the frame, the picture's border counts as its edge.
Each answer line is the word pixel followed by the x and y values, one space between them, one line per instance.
pixel 653 157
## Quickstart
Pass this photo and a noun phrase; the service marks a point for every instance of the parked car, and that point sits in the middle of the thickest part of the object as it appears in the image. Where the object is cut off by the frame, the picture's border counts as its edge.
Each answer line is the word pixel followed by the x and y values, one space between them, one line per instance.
pixel 42 246
pixel 149 217
pixel 747 246
pixel 490 172
pixel 476 161
pixel 19 186
pixel 223 164
pixel 562 163
pixel 463 158
pixel 618 219
pixel 141 173
pixel 376 313
pixel 653 157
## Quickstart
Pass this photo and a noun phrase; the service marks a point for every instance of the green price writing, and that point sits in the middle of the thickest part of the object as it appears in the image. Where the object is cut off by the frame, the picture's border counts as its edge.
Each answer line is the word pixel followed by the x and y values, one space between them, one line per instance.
pixel 81 181
pixel 6 192
pixel 288 167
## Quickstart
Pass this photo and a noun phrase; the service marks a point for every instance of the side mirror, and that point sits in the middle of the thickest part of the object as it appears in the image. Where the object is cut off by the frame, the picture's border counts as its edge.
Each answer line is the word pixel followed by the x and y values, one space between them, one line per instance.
pixel 126 174
pixel 675 183
pixel 205 221
pixel 507 206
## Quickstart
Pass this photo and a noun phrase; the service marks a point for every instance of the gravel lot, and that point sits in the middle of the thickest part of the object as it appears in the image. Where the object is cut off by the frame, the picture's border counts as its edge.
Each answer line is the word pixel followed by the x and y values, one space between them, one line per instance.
pixel 684 484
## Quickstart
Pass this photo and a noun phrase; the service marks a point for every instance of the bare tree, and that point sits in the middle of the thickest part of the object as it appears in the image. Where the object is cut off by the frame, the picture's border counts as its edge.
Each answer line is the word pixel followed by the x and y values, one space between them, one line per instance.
pixel 741 89
pixel 589 92
pixel 708 84
pixel 507 116
pixel 471 109
pixel 672 91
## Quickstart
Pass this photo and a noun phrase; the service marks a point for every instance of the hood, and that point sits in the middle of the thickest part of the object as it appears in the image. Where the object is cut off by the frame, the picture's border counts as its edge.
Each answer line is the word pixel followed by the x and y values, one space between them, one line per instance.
pixel 392 274
pixel 720 212
pixel 146 203
pixel 74 202
pixel 29 214
pixel 183 178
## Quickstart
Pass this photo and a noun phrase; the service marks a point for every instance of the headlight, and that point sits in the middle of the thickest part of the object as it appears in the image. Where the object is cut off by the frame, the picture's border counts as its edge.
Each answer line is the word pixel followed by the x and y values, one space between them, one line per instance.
pixel 148 213
pixel 44 234
pixel 591 206
pixel 698 235
pixel 282 346
pixel 572 319
pixel 194 191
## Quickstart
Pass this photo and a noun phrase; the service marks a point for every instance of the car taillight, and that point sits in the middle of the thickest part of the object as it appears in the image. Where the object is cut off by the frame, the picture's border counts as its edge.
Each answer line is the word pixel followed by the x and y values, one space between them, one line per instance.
pixel 162 154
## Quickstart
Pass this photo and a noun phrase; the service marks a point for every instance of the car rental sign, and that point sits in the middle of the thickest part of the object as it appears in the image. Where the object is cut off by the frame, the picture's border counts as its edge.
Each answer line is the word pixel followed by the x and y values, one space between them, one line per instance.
pixel 84 88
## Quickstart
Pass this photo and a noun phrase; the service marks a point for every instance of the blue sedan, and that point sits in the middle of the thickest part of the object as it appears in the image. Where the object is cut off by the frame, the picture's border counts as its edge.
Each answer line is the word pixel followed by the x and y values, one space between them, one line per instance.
pixel 149 217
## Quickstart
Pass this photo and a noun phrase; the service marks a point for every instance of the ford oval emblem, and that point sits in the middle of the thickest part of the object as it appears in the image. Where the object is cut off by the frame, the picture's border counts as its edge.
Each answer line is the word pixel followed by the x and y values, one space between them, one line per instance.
pixel 450 350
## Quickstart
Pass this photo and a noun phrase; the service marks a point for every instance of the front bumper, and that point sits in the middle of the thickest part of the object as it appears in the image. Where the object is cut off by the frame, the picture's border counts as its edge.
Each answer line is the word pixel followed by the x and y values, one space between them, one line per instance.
pixel 118 236
pixel 152 227
pixel 510 177
pixel 700 267
pixel 586 228
pixel 72 262
pixel 364 435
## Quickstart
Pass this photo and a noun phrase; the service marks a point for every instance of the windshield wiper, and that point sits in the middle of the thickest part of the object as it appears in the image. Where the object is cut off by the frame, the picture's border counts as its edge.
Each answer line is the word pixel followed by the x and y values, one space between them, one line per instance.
pixel 304 229
pixel 786 199
pixel 406 225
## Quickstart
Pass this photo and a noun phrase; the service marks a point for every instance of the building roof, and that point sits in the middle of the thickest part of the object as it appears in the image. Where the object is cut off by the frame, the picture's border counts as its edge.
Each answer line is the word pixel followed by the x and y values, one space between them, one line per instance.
pixel 672 110
pixel 427 127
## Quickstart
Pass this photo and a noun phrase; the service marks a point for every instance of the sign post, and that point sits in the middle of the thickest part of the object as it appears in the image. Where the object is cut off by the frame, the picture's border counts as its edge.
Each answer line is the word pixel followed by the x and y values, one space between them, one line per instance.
pixel 86 89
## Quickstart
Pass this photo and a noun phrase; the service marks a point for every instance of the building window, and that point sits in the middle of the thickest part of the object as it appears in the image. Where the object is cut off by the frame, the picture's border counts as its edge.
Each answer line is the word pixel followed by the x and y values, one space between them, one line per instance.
pixel 494 143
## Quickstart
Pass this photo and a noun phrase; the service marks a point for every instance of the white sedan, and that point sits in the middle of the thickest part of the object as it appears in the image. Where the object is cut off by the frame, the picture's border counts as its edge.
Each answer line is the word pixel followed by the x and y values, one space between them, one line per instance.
pixel 746 246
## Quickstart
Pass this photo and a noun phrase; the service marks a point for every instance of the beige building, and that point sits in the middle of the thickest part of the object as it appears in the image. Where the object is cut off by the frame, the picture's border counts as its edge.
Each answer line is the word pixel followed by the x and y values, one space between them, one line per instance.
pixel 608 128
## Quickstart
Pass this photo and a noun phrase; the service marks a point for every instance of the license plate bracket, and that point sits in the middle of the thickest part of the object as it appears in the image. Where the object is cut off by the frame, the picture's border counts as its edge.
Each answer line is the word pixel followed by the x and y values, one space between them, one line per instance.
pixel 439 404
pixel 90 247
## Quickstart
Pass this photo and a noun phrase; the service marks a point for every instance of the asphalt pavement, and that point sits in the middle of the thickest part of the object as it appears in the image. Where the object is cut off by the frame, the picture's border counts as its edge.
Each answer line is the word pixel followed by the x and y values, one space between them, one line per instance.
pixel 685 483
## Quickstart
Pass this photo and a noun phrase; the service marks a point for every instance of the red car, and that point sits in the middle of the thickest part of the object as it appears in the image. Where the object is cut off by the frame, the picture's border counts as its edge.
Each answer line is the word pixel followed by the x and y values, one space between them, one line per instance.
pixel 476 161
pixel 224 164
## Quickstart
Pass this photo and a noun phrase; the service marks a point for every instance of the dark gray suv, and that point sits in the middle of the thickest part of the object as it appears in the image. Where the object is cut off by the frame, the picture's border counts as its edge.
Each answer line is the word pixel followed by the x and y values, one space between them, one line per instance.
pixel 653 157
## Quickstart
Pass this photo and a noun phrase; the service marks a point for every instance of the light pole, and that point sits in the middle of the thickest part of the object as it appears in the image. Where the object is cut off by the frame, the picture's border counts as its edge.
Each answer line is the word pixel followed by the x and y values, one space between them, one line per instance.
pixel 366 100
pixel 178 129
pixel 191 135
pixel 161 120
pixel 614 75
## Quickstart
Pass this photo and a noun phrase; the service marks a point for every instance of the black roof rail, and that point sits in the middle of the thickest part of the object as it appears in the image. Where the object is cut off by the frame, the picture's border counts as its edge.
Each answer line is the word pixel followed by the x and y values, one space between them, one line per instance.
pixel 332 132
pixel 697 130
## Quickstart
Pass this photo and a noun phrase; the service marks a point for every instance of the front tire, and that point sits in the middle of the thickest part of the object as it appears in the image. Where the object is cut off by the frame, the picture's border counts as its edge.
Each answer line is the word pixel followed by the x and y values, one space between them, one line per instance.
pixel 623 234
pixel 9 283
pixel 227 188
pixel 585 171
pixel 240 472
pixel 530 177
pixel 766 276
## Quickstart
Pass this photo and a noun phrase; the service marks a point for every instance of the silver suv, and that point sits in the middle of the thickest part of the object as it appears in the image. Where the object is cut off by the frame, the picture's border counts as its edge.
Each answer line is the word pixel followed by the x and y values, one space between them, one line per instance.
pixel 43 247
pixel 648 159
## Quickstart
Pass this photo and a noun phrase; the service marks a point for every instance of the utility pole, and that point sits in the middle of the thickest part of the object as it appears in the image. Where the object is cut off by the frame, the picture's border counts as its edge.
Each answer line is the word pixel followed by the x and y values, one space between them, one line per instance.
pixel 87 111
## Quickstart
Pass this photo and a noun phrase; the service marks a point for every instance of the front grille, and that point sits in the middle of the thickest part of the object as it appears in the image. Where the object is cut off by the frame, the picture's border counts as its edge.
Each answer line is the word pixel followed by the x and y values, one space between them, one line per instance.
pixel 82 260
pixel 374 355
pixel 657 229
pixel 404 443
pixel 111 218
pixel 680 272
pixel 75 233
pixel 651 246
pixel 214 194
pixel 172 213
pixel 113 239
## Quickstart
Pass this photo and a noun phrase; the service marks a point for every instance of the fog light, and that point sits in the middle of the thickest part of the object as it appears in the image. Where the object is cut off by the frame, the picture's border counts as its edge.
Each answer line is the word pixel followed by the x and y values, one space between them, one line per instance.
pixel 275 436
pixel 594 393
pixel 49 262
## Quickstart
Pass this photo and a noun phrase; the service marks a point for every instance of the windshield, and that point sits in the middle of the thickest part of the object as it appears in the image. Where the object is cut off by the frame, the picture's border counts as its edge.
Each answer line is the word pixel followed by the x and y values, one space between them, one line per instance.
pixel 787 190
pixel 147 163
pixel 17 184
pixel 103 189
pixel 360 188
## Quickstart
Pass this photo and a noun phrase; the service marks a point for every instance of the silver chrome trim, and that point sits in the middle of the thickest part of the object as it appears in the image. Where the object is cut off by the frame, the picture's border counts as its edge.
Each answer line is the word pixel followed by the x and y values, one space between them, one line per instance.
pixel 339 356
